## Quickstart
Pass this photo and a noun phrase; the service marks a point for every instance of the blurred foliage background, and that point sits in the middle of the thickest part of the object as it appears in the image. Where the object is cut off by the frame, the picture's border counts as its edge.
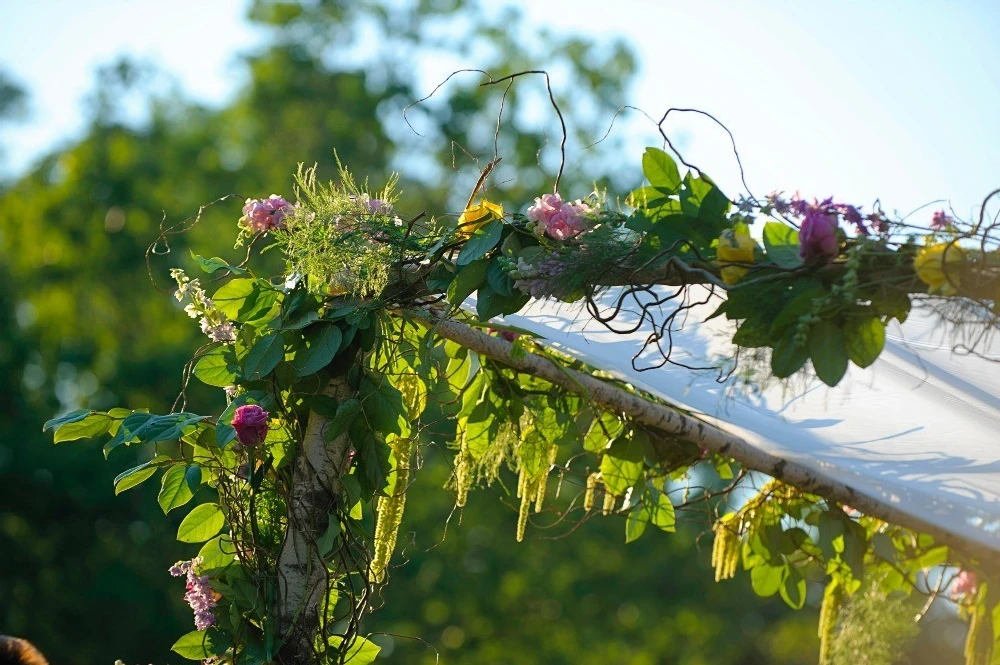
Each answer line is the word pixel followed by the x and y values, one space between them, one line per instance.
pixel 83 573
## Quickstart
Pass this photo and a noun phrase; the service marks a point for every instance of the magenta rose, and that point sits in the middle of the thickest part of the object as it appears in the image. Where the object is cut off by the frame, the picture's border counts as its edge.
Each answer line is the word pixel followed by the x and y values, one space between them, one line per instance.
pixel 250 423
pixel 818 237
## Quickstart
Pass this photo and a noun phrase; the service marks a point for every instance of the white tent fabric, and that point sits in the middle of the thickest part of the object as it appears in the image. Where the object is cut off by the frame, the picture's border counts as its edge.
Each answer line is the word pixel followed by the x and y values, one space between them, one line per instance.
pixel 918 429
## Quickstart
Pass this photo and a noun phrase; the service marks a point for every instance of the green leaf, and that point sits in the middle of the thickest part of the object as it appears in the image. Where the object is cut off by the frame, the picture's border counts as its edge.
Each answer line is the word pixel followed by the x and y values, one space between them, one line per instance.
pixel 147 428
pixel 489 303
pixel 601 432
pixel 321 343
pixel 201 523
pixel 217 554
pixel 661 170
pixel 498 279
pixel 621 466
pixel 788 357
pixel 383 406
pixel 468 279
pixel 175 489
pixel 326 541
pixel 635 523
pixel 828 352
pixel 126 480
pixel 359 652
pixel 782 244
pixel 301 321
pixel 95 424
pixel 218 367
pixel 247 300
pixel 661 512
pixel 865 339
pixel 215 263
pixel 752 333
pixel 794 309
pixel 347 412
pixel 647 197
pixel 766 579
pixel 891 302
pixel 264 356
pixel 201 644
pixel 482 241
pixel 793 589
pixel 71 417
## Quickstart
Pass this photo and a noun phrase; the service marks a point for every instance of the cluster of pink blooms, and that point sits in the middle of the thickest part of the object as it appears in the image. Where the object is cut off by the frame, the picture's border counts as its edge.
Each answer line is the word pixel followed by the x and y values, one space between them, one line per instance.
pixel 199 593
pixel 262 215
pixel 941 220
pixel 250 423
pixel 966 584
pixel 558 219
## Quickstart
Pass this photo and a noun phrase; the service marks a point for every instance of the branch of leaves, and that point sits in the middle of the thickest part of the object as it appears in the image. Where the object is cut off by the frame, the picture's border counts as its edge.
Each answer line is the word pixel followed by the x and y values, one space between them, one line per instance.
pixel 293 335
pixel 800 319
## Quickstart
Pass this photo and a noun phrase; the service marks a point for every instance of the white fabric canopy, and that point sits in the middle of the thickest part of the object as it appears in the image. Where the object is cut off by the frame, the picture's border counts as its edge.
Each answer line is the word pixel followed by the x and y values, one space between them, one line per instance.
pixel 917 430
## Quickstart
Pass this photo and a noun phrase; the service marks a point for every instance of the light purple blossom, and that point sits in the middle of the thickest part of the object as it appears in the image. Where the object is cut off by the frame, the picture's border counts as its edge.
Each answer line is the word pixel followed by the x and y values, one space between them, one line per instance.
pixel 537 280
pixel 558 219
pixel 221 332
pixel 264 215
pixel 199 594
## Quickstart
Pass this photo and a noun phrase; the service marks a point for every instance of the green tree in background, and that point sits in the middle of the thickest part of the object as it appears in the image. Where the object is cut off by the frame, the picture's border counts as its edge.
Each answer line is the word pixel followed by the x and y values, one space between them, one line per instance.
pixel 83 571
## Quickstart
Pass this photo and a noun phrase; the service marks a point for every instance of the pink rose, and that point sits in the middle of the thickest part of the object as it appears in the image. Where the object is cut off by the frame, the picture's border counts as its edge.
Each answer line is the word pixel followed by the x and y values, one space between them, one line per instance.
pixel 966 583
pixel 818 239
pixel 250 423
pixel 556 218
pixel 545 206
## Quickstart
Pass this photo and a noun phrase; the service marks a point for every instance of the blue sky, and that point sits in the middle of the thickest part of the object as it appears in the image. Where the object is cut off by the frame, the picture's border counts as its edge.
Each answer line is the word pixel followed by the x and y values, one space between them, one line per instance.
pixel 891 99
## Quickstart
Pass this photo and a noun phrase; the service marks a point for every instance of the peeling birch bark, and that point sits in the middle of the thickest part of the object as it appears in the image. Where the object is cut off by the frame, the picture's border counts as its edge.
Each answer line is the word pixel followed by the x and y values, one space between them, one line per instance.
pixel 706 435
pixel 302 575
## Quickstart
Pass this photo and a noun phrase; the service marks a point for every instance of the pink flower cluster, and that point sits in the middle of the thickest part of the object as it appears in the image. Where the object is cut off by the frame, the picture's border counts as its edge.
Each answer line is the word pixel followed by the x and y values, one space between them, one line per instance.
pixel 250 423
pixel 941 220
pixel 558 219
pixel 199 594
pixel 264 215
pixel 966 584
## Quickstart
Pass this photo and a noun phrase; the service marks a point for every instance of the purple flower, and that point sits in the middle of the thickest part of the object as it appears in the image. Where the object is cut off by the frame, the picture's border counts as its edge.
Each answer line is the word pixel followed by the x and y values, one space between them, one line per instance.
pixel 378 205
pixel 941 220
pixel 878 222
pixel 199 594
pixel 267 214
pixel 853 216
pixel 250 423
pixel 818 239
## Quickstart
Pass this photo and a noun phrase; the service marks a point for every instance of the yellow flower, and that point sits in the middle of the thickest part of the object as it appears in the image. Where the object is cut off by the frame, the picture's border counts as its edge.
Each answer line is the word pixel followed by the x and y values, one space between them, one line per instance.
pixel 936 267
pixel 477 215
pixel 738 247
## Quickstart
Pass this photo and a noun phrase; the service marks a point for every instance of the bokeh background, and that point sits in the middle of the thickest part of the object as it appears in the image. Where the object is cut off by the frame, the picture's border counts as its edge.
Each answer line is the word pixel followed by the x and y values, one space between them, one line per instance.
pixel 117 117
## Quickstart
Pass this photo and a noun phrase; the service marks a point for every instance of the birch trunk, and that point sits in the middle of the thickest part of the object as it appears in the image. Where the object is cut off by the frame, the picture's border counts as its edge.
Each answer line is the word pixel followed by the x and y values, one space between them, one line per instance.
pixel 302 575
